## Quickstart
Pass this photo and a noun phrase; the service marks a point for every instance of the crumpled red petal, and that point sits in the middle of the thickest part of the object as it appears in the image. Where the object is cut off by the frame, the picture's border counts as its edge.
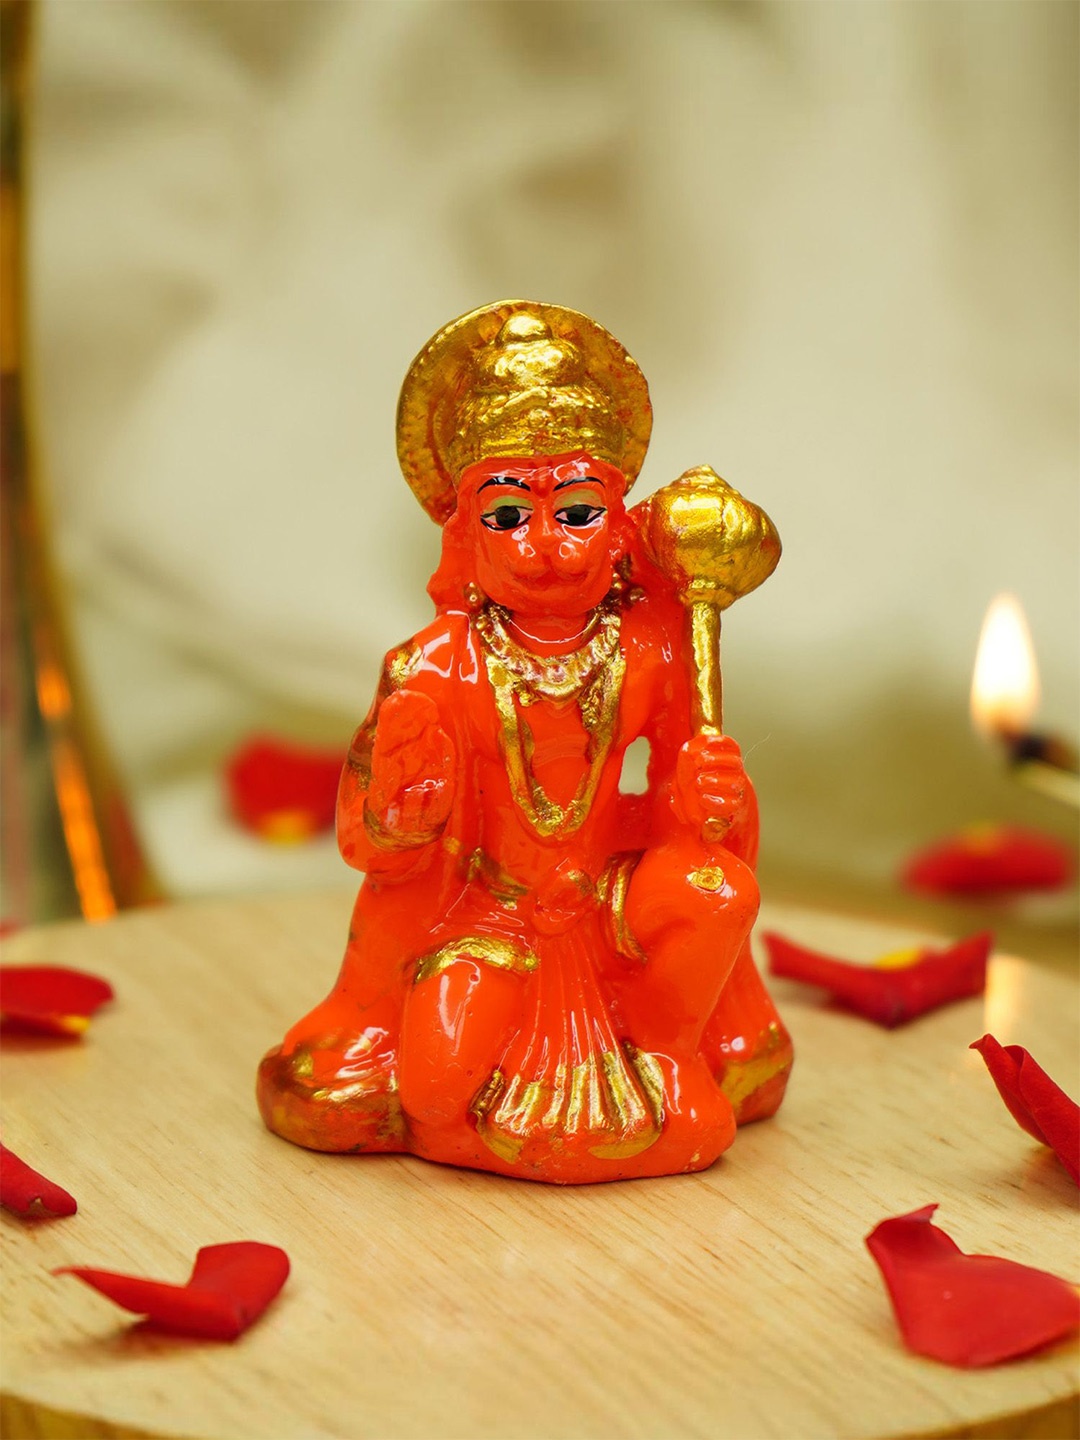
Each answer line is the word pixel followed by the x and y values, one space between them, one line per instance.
pixel 230 1287
pixel 967 1310
pixel 49 999
pixel 991 859
pixel 26 1192
pixel 890 995
pixel 1036 1103
pixel 281 791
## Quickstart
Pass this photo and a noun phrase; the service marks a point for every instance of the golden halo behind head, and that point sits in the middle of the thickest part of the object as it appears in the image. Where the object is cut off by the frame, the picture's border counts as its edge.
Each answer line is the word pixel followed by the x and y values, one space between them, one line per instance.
pixel 517 378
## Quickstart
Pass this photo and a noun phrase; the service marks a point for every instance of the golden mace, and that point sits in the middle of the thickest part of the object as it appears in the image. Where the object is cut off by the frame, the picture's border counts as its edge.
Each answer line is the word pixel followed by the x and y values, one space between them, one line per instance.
pixel 715 546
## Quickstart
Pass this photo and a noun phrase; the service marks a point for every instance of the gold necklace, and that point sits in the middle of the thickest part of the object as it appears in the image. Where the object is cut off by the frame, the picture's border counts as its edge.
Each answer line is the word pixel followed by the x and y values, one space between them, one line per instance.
pixel 551 677
pixel 591 675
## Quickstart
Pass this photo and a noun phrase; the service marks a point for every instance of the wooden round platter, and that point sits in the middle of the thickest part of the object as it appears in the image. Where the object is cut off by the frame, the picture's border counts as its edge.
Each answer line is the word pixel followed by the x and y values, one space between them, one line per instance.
pixel 435 1303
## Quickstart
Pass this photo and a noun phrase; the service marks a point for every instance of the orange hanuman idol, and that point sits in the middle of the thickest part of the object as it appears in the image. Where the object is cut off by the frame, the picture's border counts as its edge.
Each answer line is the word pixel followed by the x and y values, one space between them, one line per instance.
pixel 546 977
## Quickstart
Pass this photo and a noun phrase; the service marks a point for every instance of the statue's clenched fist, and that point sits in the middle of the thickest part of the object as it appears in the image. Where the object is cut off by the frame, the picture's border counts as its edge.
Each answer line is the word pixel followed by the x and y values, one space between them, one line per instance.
pixel 411 768
pixel 711 786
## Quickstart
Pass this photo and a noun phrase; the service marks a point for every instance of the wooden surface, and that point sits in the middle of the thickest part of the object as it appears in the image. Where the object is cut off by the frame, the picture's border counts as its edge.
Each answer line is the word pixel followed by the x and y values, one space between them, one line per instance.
pixel 428 1302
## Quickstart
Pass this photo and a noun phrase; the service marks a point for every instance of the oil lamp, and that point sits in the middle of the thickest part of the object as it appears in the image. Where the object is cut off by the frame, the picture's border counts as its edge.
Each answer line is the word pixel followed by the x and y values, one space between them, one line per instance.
pixel 1005 697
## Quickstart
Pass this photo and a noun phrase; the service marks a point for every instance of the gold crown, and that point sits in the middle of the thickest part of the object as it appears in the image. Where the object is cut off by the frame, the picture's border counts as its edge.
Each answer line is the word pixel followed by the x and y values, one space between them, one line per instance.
pixel 518 378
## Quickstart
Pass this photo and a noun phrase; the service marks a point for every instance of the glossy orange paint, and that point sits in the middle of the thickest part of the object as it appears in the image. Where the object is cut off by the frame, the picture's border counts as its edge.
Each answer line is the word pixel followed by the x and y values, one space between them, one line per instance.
pixel 545 977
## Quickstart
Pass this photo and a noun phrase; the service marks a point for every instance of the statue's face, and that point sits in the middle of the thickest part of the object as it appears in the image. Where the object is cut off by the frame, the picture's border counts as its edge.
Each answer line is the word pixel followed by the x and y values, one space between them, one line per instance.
pixel 542 532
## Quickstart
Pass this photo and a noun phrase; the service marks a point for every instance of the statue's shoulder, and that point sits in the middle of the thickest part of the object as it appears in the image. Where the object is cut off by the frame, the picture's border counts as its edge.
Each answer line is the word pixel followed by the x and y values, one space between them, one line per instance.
pixel 435 656
pixel 652 628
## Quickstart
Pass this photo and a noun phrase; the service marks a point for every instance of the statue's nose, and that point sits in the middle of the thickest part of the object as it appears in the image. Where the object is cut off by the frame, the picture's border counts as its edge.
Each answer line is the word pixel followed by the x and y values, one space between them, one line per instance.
pixel 544 527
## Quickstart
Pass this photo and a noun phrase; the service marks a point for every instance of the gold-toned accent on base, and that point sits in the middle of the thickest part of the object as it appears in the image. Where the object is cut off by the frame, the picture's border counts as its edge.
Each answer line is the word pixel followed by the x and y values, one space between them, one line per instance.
pixel 499 883
pixel 517 378
pixel 503 954
pixel 771 1057
pixel 648 1071
pixel 614 1097
pixel 612 889
pixel 708 877
pixel 346 1112
pixel 348 1096
pixel 592 675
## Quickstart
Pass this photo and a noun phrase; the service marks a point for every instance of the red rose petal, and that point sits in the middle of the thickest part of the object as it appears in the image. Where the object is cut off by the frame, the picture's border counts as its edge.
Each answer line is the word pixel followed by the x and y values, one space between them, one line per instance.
pixel 967 1310
pixel 281 791
pixel 1036 1103
pixel 991 859
pixel 25 1192
pixel 230 1287
pixel 49 999
pixel 889 996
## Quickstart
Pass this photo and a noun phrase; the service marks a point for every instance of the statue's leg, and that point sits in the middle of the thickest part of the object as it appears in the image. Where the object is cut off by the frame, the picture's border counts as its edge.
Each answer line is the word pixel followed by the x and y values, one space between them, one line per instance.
pixel 747 1044
pixel 683 916
pixel 457 1018
pixel 689 908
pixel 332 1083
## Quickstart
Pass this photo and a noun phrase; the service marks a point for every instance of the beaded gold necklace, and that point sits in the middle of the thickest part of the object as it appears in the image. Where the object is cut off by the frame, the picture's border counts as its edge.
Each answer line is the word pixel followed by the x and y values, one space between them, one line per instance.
pixel 591 676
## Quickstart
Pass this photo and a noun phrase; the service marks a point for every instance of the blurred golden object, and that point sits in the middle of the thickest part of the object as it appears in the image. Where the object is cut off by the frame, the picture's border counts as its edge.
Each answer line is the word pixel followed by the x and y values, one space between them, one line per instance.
pixel 108 867
pixel 716 546
pixel 518 378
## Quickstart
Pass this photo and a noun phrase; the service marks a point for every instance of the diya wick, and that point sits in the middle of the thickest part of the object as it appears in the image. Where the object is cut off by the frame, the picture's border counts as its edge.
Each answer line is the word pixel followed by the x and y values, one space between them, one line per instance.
pixel 1004 698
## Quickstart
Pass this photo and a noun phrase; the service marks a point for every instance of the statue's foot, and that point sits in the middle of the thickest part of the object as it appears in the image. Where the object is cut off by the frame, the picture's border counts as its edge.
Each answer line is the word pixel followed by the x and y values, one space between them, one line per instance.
pixel 753 1071
pixel 698 1124
pixel 693 1125
pixel 322 1097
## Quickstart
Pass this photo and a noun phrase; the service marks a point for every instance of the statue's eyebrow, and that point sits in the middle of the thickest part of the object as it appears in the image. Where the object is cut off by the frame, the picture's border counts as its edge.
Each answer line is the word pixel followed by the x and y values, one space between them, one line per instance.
pixel 505 480
pixel 581 480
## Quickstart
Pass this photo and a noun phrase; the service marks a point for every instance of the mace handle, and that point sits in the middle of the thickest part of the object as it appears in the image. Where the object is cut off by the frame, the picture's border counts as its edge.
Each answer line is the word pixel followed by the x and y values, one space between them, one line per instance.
pixel 707 701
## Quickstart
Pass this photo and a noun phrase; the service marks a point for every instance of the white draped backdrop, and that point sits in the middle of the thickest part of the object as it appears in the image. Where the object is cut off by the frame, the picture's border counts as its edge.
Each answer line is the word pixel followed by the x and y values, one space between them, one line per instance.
pixel 840 238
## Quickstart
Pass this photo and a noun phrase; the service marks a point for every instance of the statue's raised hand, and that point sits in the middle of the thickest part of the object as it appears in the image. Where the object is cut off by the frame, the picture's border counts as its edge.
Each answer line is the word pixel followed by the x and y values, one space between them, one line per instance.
pixel 711 786
pixel 412 769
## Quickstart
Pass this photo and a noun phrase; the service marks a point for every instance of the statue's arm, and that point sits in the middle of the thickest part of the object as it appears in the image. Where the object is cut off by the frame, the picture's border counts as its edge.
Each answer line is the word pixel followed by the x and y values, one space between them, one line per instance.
pixel 396 787
pixel 684 766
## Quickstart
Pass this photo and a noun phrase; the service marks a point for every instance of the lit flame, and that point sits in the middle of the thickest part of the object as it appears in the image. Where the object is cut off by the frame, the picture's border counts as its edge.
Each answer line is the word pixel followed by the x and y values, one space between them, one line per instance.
pixel 1005 685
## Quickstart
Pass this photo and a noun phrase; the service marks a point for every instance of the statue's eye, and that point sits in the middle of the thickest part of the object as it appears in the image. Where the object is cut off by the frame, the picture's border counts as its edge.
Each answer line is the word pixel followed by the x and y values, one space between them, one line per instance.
pixel 579 514
pixel 506 515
